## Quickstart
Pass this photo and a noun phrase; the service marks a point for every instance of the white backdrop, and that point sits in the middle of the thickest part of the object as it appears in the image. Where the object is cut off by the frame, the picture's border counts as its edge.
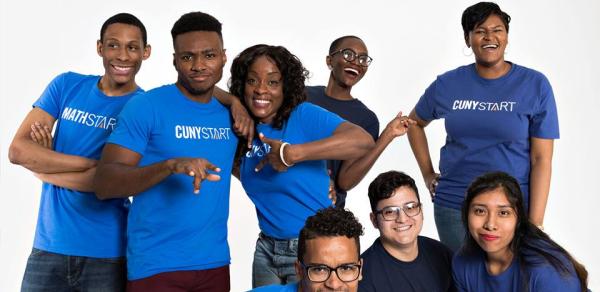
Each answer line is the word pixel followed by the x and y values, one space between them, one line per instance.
pixel 411 42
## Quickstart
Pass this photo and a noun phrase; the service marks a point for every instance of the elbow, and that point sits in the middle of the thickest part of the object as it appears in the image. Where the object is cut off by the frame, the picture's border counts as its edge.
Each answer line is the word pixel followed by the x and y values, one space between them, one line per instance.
pixel 16 154
pixel 101 188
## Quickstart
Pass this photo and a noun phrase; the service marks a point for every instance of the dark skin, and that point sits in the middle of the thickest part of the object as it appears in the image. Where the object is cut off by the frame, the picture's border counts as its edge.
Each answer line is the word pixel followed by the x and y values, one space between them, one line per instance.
pixel 199 59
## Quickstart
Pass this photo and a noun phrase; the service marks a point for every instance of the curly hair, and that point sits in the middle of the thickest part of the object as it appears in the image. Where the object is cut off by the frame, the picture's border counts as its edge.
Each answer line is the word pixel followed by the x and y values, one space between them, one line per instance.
pixel 476 14
pixel 292 71
pixel 384 185
pixel 329 222
pixel 529 243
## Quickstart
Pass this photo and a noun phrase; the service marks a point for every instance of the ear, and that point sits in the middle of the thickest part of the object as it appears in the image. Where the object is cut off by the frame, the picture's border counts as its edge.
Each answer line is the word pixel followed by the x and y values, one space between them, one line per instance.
pixel 373 220
pixel 361 269
pixel 174 64
pixel 99 48
pixel 147 51
pixel 328 62
pixel 299 270
pixel 467 40
pixel 224 57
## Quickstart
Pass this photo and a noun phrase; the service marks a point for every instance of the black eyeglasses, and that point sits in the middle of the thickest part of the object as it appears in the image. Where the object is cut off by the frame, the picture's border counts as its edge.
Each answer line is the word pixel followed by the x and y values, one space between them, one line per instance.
pixel 350 55
pixel 392 213
pixel 320 273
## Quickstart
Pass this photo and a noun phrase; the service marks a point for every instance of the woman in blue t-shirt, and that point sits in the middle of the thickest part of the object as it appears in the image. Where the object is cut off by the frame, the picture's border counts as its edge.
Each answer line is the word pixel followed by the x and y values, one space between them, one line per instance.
pixel 499 116
pixel 284 172
pixel 503 250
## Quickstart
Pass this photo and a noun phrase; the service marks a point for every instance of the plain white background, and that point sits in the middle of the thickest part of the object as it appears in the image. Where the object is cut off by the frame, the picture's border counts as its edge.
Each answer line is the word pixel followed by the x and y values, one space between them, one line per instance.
pixel 411 42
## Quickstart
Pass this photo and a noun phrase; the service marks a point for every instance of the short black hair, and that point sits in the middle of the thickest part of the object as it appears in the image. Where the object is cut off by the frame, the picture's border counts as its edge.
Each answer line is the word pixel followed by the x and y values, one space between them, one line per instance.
pixel 476 14
pixel 384 185
pixel 196 21
pixel 124 18
pixel 330 222
pixel 336 43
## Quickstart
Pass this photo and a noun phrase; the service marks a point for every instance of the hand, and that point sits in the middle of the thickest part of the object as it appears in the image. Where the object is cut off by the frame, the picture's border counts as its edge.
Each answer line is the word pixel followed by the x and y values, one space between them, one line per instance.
pixel 332 193
pixel 431 181
pixel 243 125
pixel 398 126
pixel 41 135
pixel 272 157
pixel 196 167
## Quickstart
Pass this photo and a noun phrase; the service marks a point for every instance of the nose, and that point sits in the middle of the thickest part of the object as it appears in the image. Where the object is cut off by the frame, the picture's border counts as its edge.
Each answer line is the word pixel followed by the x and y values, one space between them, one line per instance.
pixel 123 54
pixel 198 65
pixel 490 223
pixel 260 87
pixel 402 217
pixel 334 282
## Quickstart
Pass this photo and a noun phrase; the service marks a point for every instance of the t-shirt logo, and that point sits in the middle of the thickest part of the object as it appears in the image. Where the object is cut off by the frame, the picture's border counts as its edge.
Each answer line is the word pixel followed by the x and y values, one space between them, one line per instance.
pixel 88 119
pixel 258 150
pixel 474 105
pixel 202 133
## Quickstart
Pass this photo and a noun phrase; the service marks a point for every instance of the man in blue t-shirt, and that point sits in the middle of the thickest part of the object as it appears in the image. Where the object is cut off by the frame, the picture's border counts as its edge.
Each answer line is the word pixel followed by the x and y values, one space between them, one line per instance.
pixel 79 240
pixel 328 254
pixel 168 142
pixel 400 259
pixel 349 60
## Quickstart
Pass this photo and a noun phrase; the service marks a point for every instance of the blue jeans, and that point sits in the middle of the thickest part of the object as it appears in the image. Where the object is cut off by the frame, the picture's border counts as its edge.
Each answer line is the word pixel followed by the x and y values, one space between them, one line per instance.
pixel 274 261
pixel 48 271
pixel 449 226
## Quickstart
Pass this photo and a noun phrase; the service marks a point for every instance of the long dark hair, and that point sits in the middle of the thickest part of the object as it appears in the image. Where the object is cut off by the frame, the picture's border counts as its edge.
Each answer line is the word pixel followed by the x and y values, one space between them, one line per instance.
pixel 529 244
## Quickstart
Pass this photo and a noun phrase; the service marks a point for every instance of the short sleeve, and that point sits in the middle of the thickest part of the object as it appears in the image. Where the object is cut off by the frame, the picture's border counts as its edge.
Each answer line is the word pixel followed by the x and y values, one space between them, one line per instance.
pixel 544 122
pixel 317 123
pixel 49 101
pixel 425 107
pixel 373 127
pixel 134 125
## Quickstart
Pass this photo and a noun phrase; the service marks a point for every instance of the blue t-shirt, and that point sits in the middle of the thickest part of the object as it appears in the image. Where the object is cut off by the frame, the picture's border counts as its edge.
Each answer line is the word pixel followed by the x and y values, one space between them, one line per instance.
pixel 293 287
pixel 169 227
pixel 489 123
pixel 470 274
pixel 430 271
pixel 284 200
pixel 353 111
pixel 72 222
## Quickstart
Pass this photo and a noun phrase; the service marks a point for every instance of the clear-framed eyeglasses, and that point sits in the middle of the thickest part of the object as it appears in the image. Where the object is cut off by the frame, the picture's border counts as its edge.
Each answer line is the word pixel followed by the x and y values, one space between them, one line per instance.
pixel 350 55
pixel 392 213
pixel 321 273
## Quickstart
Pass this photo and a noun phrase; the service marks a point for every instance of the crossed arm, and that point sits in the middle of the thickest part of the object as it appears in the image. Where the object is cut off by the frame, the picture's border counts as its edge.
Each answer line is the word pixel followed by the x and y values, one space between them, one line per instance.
pixel 69 171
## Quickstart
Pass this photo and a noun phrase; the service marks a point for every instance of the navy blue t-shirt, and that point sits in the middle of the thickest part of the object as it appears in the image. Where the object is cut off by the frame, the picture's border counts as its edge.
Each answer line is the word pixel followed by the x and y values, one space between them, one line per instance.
pixel 430 271
pixel 489 124
pixel 353 111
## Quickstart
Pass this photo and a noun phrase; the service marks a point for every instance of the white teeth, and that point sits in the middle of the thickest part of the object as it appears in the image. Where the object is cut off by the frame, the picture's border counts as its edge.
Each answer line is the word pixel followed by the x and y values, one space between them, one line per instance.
pixel 490 46
pixel 402 228
pixel 351 70
pixel 119 68
pixel 262 101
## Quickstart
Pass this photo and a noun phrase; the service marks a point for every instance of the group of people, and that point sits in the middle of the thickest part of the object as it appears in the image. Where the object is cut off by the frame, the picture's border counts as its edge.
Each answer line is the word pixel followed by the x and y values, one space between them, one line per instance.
pixel 297 151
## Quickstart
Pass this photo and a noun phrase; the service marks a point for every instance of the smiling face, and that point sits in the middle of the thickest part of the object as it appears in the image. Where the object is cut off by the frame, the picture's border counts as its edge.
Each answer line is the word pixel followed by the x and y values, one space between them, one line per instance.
pixel 488 41
pixel 122 50
pixel 263 90
pixel 400 233
pixel 331 251
pixel 492 222
pixel 347 74
pixel 199 59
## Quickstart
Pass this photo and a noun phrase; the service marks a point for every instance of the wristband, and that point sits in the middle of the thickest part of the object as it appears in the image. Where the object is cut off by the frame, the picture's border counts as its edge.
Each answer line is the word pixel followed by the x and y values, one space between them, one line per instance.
pixel 281 154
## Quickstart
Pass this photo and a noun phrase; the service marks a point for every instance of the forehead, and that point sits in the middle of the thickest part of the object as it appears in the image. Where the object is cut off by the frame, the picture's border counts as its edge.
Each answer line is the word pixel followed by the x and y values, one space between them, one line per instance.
pixel 197 41
pixel 492 198
pixel 492 21
pixel 331 250
pixel 400 196
pixel 353 43
pixel 122 30
pixel 263 63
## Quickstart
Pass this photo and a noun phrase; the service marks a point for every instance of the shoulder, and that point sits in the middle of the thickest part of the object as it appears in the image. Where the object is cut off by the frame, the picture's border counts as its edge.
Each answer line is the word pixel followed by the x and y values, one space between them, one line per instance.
pixel 434 246
pixel 314 92
pixel 73 78
pixel 457 73
pixel 544 276
pixel 531 75
pixel 373 251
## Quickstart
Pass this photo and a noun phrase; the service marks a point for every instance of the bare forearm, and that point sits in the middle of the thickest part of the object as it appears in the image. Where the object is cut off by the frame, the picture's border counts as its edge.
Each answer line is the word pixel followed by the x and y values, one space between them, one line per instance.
pixel 350 142
pixel 38 159
pixel 224 97
pixel 352 172
pixel 420 149
pixel 117 180
pixel 539 188
pixel 80 181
